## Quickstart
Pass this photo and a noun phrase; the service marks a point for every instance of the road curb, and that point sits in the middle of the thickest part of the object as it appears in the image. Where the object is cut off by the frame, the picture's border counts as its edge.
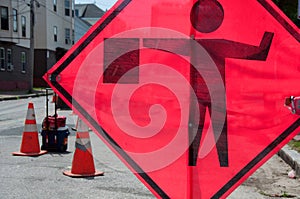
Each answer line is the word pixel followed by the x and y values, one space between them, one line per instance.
pixel 291 157
pixel 16 97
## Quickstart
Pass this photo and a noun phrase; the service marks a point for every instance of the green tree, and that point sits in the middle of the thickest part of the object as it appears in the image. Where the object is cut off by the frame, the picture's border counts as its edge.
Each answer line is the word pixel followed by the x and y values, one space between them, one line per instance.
pixel 289 7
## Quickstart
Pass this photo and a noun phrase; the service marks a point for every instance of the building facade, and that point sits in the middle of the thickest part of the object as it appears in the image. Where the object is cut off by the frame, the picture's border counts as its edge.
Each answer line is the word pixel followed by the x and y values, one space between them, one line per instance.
pixel 53 36
pixel 15 66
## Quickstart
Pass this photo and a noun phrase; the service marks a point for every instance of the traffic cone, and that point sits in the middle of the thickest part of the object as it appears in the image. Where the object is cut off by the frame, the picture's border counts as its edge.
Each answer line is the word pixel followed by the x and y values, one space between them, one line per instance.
pixel 76 125
pixel 83 162
pixel 30 142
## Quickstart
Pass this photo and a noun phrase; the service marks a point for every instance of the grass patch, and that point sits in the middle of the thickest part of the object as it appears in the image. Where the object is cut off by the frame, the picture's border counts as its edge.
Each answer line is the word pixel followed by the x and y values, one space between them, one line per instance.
pixel 282 195
pixel 39 88
pixel 295 145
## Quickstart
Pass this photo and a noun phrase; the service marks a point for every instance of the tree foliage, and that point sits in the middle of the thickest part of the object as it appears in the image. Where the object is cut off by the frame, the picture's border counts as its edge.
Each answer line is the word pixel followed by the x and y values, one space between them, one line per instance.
pixel 289 7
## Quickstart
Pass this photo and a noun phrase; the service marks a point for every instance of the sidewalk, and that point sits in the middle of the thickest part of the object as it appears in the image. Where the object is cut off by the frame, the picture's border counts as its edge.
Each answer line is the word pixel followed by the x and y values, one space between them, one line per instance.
pixel 290 156
pixel 14 95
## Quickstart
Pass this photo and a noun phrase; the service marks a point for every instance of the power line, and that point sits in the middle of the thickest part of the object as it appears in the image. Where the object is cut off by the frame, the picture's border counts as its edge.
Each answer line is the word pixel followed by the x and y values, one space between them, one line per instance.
pixel 19 13
pixel 25 38
pixel 21 1
pixel 25 5
pixel 27 11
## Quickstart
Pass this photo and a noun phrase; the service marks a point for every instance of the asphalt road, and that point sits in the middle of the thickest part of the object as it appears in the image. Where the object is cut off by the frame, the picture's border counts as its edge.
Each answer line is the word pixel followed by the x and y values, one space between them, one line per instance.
pixel 41 177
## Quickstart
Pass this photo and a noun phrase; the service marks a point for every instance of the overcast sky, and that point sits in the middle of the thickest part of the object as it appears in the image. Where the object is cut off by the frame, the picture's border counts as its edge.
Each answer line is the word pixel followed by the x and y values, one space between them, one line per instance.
pixel 103 4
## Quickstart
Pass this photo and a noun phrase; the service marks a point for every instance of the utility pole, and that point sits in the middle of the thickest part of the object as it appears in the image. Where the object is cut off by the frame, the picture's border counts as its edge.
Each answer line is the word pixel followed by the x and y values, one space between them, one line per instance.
pixel 31 68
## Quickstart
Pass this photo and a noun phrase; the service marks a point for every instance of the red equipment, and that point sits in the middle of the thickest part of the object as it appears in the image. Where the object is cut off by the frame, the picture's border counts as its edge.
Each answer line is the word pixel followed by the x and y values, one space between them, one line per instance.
pixel 54 130
pixel 293 104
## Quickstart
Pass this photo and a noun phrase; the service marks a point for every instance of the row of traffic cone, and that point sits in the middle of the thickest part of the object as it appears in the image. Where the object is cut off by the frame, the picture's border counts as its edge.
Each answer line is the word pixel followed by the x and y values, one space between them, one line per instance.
pixel 83 162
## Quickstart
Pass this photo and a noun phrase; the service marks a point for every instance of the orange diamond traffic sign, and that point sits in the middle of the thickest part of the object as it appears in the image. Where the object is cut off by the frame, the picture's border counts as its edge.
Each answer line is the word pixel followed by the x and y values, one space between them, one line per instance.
pixel 188 94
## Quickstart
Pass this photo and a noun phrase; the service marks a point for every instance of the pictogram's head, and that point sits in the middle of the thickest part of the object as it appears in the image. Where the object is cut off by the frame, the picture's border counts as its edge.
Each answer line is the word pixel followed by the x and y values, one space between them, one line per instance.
pixel 207 15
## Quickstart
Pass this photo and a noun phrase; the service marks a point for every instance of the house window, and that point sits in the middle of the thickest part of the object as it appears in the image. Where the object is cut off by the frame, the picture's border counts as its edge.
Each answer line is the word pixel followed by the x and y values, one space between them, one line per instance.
pixel 73 36
pixel 76 12
pixel 15 20
pixel 4 18
pixel 55 33
pixel 23 61
pixel 54 5
pixel 67 36
pixel 67 7
pixel 23 23
pixel 2 59
pixel 9 60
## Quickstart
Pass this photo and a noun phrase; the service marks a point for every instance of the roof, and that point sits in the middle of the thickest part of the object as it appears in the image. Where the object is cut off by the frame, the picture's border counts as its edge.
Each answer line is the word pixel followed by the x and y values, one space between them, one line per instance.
pixel 89 11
